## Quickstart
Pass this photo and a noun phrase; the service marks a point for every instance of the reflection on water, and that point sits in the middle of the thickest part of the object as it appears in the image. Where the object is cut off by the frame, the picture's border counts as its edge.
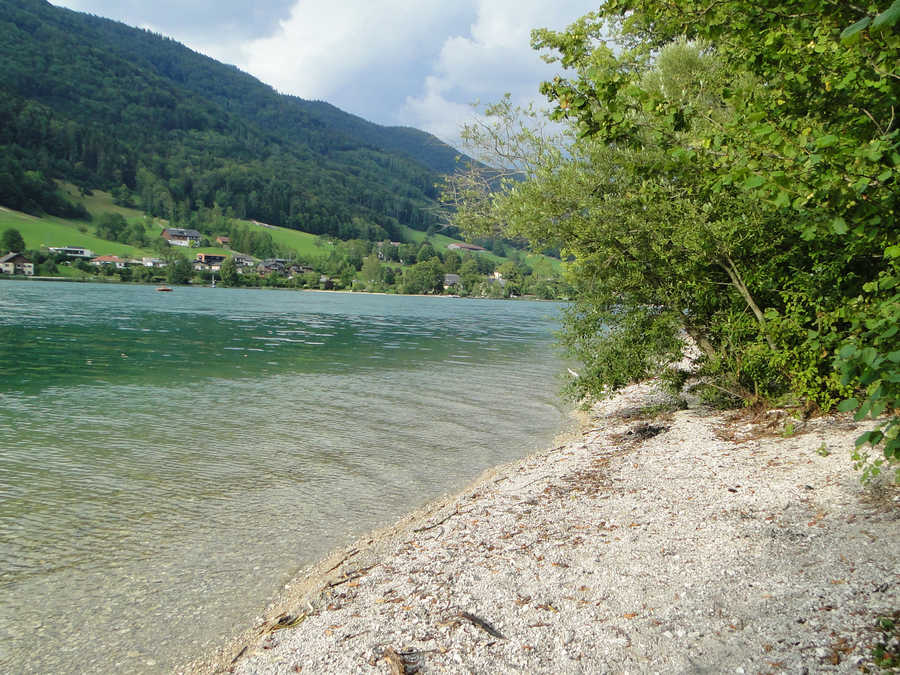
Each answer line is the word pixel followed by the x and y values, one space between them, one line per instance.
pixel 167 461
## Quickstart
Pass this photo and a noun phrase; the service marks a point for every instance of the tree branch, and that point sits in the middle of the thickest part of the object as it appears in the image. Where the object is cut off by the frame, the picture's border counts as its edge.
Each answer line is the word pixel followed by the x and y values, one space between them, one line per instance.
pixel 731 269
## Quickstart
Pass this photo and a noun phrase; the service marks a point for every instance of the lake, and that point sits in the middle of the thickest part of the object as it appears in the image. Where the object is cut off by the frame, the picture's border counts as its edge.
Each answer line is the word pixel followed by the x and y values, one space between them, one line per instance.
pixel 169 460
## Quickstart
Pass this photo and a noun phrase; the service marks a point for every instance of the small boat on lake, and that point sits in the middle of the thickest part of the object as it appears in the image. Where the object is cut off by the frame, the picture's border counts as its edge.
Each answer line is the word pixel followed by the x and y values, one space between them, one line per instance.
pixel 164 288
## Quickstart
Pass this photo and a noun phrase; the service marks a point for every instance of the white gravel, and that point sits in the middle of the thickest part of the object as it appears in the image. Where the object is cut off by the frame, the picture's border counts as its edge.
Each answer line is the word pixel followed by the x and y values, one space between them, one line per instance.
pixel 709 547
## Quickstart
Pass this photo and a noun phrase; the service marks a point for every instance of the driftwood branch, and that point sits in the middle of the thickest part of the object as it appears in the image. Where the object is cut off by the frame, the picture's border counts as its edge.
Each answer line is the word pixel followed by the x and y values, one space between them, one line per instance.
pixel 482 624
pixel 440 522
pixel 351 576
pixel 343 560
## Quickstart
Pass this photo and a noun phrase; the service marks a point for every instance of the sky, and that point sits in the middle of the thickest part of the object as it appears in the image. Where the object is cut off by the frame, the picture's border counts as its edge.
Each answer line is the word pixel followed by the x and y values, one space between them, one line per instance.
pixel 419 63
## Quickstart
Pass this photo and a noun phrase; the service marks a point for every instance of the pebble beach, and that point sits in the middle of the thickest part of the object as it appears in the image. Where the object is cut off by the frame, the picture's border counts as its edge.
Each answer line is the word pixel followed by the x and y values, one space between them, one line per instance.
pixel 654 540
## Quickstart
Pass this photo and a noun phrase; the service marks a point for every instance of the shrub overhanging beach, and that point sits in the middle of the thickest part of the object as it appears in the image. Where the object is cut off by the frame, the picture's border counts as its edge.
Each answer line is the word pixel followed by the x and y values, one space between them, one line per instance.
pixel 689 540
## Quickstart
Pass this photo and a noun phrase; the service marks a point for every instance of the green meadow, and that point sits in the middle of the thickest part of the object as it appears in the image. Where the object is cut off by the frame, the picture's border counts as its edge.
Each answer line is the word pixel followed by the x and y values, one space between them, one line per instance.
pixel 45 231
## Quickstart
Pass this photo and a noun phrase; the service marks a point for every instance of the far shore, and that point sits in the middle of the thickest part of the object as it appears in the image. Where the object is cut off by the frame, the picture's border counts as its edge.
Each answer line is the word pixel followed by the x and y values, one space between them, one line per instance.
pixel 653 540
pixel 103 280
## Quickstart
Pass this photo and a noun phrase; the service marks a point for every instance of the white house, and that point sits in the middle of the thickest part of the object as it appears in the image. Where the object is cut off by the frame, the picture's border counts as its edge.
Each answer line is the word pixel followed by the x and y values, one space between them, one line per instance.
pixel 16 263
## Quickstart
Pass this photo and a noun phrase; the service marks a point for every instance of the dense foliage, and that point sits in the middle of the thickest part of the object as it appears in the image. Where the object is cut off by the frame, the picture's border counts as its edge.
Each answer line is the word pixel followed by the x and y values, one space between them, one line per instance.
pixel 11 241
pixel 730 173
pixel 103 105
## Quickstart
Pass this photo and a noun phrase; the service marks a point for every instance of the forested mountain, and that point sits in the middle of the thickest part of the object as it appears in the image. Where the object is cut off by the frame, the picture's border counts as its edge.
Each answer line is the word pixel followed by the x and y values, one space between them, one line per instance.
pixel 101 104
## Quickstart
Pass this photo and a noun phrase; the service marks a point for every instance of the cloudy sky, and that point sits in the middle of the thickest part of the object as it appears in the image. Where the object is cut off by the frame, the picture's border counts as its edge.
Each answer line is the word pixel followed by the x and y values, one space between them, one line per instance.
pixel 419 63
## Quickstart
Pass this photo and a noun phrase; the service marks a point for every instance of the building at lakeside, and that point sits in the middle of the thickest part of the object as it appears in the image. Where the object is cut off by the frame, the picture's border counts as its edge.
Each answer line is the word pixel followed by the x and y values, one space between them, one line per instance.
pixel 16 263
pixel 72 251
pixel 177 236
pixel 212 261
pixel 242 261
pixel 114 260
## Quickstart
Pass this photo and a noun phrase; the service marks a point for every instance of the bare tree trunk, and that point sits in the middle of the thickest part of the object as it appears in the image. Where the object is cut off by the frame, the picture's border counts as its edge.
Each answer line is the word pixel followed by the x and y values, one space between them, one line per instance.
pixel 733 274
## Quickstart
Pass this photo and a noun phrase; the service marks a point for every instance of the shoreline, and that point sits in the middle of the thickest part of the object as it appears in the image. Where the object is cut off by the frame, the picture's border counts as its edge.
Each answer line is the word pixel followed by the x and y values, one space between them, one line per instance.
pixel 693 540
pixel 369 546
pixel 349 291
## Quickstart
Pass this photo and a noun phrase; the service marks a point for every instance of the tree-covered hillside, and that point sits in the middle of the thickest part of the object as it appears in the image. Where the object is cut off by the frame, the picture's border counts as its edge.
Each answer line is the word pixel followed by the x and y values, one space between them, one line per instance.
pixel 103 105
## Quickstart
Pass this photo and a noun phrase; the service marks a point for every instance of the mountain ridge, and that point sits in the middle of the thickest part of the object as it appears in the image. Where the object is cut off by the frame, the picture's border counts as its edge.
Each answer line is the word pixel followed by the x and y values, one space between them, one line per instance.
pixel 102 104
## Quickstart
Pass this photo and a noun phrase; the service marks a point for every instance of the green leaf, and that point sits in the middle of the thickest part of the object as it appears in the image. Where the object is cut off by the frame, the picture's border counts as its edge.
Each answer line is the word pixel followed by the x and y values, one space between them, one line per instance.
pixel 754 182
pixel 892 251
pixel 850 31
pixel 848 405
pixel 892 448
pixel 847 351
pixel 865 438
pixel 839 225
pixel 783 199
pixel 878 407
pixel 826 141
pixel 888 17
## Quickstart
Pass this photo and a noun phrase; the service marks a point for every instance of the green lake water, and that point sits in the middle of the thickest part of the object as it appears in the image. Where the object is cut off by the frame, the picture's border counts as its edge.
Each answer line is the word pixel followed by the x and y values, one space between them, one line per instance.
pixel 169 460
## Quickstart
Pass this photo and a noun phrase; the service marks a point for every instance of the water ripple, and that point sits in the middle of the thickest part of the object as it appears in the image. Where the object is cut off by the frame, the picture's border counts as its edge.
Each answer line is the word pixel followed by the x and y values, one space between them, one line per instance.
pixel 166 454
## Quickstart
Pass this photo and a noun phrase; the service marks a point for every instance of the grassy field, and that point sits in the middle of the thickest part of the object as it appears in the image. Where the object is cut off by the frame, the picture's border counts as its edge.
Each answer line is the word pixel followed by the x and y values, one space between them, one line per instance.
pixel 44 231
pixel 440 242
pixel 99 202
pixel 305 244
pixel 40 232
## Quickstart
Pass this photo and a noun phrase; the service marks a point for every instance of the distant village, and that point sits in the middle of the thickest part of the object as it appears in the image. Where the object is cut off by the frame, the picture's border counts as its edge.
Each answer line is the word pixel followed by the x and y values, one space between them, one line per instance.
pixel 205 263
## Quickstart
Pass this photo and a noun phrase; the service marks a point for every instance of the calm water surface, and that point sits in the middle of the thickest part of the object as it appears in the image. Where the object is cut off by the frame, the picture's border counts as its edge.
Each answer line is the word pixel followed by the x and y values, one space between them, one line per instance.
pixel 169 460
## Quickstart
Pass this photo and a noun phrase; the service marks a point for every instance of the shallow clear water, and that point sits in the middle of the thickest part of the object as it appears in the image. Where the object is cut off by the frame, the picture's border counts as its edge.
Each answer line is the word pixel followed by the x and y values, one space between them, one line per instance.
pixel 169 460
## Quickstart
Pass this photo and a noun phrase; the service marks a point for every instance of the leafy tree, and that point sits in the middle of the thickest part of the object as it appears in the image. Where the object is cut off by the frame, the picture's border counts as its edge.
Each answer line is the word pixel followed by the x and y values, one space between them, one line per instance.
pixel 178 268
pixel 424 277
pixel 407 254
pixel 142 274
pixel 111 226
pixel 469 275
pixel 389 251
pixel 228 273
pixel 122 196
pixel 12 241
pixel 426 252
pixel 452 261
pixel 370 273
pixel 727 170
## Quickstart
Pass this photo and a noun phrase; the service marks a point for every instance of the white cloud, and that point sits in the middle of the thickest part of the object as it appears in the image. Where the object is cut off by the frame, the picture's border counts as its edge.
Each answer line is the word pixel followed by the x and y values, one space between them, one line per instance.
pixel 410 62
pixel 493 59
pixel 360 55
